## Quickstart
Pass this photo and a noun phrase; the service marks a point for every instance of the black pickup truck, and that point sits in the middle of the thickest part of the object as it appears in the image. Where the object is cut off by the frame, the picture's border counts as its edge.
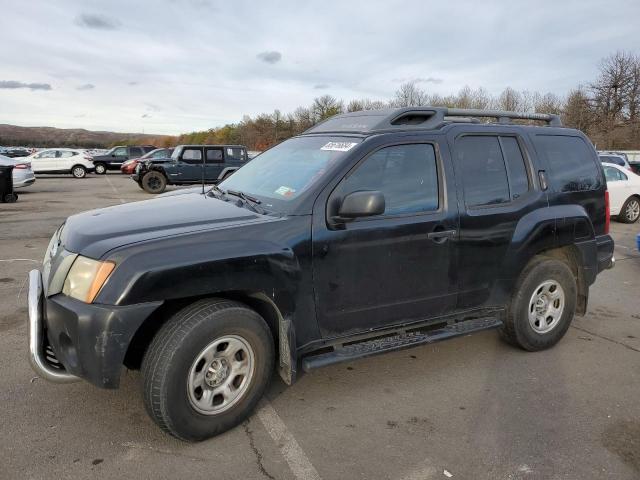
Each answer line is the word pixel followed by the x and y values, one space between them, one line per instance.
pixel 371 232
pixel 114 158
pixel 190 164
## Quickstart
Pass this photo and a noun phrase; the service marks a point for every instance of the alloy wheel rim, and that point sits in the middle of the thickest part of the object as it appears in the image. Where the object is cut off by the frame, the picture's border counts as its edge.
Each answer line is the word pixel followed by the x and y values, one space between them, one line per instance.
pixel 633 210
pixel 546 306
pixel 220 375
pixel 77 172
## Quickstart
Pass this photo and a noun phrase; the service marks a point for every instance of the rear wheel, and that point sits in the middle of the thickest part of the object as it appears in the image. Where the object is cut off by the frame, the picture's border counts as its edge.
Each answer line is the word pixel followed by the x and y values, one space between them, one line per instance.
pixel 207 368
pixel 101 168
pixel 630 210
pixel 78 171
pixel 154 182
pixel 543 305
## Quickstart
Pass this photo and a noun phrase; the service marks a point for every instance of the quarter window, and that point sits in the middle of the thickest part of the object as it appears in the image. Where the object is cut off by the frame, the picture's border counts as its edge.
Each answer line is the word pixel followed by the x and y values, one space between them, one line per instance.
pixel 405 174
pixel 571 162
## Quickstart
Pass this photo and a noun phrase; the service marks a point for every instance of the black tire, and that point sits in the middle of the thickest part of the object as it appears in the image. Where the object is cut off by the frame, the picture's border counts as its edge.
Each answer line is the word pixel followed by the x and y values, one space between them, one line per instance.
pixel 78 171
pixel 630 211
pixel 10 198
pixel 169 360
pixel 517 328
pixel 100 168
pixel 154 182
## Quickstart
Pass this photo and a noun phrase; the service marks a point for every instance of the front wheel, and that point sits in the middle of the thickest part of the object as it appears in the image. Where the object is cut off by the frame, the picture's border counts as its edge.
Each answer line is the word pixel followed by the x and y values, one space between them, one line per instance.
pixel 543 305
pixel 207 368
pixel 154 182
pixel 79 171
pixel 630 210
pixel 101 168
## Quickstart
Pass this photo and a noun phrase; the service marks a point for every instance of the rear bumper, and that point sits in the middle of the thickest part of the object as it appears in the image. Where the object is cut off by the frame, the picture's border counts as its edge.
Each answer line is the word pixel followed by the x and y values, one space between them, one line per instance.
pixel 24 182
pixel 605 245
pixel 88 340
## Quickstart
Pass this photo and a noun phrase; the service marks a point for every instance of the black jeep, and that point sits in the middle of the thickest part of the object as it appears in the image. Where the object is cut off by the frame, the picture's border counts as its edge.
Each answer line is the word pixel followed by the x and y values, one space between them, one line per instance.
pixel 114 158
pixel 190 164
pixel 371 232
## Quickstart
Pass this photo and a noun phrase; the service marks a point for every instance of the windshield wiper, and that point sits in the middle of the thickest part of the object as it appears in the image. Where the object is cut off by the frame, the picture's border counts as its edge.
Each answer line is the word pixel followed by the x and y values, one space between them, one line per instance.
pixel 248 200
pixel 218 190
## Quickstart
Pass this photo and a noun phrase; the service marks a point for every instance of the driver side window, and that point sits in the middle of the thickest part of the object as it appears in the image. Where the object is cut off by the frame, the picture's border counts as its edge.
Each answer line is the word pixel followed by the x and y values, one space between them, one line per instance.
pixel 406 175
pixel 120 152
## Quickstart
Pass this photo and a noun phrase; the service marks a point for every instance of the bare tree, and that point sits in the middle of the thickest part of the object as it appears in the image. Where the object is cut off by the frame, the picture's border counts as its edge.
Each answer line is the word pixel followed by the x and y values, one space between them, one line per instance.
pixel 409 95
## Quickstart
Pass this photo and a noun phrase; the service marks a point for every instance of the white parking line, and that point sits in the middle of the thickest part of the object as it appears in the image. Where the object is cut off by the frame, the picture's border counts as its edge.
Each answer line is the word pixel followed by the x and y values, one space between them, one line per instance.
pixel 113 187
pixel 294 455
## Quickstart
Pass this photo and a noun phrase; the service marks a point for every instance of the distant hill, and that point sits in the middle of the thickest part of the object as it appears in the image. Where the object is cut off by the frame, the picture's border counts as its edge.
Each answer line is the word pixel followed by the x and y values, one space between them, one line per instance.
pixel 13 135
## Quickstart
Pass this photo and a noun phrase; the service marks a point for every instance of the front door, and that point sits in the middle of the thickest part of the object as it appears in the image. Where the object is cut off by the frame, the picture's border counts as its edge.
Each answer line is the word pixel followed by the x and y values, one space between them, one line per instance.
pixel 44 161
pixel 190 167
pixel 392 268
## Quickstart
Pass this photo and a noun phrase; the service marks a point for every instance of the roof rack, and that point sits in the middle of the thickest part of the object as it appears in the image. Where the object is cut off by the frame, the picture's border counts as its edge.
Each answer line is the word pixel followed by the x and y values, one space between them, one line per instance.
pixel 420 118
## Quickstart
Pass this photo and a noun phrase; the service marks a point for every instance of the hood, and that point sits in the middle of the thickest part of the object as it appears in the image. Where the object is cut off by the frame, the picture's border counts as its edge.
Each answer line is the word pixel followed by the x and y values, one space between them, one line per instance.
pixel 96 232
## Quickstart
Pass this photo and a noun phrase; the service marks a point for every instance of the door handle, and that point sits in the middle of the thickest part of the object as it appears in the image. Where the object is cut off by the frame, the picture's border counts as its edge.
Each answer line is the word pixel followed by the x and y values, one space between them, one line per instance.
pixel 441 236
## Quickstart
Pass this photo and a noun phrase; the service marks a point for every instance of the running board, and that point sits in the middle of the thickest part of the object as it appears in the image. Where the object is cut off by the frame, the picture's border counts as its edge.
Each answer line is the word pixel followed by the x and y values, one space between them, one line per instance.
pixel 399 341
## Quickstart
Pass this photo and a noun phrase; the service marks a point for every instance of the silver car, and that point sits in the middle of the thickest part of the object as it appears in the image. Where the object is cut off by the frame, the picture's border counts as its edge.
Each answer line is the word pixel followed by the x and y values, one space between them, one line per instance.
pixel 22 174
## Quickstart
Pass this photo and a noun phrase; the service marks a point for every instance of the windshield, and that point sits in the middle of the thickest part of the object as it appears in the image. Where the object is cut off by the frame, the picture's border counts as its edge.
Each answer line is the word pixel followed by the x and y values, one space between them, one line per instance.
pixel 281 174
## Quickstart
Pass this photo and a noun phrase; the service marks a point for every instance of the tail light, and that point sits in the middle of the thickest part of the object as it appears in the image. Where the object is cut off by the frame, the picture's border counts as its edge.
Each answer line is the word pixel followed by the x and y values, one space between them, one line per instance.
pixel 607 213
pixel 21 166
pixel 88 158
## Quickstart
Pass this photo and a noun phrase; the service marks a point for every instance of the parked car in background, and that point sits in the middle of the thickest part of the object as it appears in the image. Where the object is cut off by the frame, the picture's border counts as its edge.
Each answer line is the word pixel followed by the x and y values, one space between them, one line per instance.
pixel 114 158
pixel 62 160
pixel 16 152
pixel 190 164
pixel 624 192
pixel 129 167
pixel 22 173
pixel 615 159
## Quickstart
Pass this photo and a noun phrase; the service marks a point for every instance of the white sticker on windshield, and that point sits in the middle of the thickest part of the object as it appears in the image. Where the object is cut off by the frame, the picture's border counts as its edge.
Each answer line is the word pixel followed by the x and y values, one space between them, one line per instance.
pixel 339 146
pixel 285 191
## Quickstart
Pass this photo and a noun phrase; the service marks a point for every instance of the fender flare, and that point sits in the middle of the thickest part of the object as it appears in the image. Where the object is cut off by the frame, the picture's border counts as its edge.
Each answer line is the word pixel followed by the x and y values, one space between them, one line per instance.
pixel 226 171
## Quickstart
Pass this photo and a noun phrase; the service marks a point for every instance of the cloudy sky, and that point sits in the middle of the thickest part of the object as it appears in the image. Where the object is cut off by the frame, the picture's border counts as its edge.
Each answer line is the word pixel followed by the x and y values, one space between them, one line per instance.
pixel 171 66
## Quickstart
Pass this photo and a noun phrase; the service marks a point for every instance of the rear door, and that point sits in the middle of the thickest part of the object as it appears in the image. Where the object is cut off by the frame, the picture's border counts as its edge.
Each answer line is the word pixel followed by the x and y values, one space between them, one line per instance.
pixel 214 162
pixel 618 186
pixel 65 160
pixel 496 188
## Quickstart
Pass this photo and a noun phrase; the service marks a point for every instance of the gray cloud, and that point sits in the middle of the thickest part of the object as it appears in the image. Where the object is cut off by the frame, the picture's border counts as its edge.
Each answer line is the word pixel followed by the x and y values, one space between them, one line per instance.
pixel 433 80
pixel 86 86
pixel 132 83
pixel 100 22
pixel 146 115
pixel 270 57
pixel 321 86
pixel 11 84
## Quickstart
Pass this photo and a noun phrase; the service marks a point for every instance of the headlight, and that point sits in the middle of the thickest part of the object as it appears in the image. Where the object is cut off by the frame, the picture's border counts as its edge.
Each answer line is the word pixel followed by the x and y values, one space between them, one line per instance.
pixel 86 277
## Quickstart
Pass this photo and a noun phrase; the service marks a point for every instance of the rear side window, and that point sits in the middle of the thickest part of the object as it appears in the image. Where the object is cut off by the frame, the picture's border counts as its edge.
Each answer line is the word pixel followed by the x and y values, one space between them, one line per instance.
pixel 135 152
pixel 484 174
pixel 614 175
pixel 214 155
pixel 570 161
pixel 405 174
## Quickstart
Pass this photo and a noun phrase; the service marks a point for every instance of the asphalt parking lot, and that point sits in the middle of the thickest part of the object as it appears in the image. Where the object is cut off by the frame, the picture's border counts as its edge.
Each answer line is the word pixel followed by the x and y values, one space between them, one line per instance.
pixel 468 408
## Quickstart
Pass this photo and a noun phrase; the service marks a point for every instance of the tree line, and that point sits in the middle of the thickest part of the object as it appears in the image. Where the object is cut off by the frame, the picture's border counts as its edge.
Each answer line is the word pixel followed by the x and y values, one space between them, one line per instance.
pixel 606 109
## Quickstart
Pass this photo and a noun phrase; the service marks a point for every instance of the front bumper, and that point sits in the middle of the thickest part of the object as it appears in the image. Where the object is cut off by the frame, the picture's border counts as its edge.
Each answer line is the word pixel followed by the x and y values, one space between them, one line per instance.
pixel 88 340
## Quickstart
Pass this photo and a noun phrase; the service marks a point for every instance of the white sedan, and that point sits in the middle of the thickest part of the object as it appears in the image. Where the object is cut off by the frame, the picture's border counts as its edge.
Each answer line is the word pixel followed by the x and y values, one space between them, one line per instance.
pixel 61 160
pixel 624 192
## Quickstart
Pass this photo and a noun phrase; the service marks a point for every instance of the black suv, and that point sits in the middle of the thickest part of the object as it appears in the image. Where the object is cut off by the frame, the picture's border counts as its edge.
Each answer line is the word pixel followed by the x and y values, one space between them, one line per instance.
pixel 114 158
pixel 190 164
pixel 371 232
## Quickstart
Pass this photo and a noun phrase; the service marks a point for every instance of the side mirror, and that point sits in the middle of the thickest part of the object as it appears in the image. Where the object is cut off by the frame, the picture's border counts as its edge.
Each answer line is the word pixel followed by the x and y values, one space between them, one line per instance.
pixel 362 204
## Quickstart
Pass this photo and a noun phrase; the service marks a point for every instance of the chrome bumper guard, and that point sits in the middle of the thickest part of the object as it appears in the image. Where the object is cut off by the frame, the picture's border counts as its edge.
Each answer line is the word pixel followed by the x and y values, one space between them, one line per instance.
pixel 37 355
